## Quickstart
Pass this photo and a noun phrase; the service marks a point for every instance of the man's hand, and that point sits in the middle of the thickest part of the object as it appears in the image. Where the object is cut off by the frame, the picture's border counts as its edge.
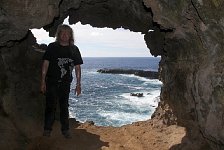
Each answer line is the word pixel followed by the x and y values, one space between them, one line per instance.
pixel 78 90
pixel 78 80
pixel 43 76
pixel 43 87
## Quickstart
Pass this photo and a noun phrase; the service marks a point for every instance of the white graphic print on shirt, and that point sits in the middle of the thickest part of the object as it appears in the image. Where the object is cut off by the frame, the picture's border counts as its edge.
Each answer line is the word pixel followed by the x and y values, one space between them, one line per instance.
pixel 61 64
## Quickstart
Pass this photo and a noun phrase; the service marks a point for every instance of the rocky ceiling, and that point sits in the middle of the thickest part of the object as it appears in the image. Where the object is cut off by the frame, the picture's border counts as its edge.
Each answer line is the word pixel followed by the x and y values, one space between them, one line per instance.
pixel 188 34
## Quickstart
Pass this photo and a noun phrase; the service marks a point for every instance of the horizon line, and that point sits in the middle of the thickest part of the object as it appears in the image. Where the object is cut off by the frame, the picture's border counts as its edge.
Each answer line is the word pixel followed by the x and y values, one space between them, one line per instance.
pixel 121 56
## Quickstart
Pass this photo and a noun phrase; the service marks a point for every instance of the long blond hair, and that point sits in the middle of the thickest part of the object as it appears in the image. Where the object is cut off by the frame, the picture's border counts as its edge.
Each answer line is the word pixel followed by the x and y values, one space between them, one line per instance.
pixel 65 27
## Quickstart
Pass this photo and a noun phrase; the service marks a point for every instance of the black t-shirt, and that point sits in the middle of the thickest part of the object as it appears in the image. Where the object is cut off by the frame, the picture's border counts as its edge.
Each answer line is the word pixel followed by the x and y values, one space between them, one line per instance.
pixel 62 60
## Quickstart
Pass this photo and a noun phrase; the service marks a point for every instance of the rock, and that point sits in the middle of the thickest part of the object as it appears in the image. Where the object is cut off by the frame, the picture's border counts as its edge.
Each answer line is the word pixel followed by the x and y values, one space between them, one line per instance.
pixel 32 14
pixel 140 73
pixel 137 94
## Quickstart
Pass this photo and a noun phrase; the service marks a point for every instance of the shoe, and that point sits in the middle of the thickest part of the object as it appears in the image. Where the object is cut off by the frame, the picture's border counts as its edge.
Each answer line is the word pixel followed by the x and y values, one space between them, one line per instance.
pixel 67 134
pixel 47 133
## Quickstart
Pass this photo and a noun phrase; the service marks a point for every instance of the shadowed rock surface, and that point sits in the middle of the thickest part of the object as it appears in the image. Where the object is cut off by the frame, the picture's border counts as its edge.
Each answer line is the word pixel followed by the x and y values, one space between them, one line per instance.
pixel 188 34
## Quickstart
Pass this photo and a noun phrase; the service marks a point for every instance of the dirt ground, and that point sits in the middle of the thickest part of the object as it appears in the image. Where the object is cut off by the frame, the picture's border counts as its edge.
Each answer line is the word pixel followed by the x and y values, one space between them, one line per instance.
pixel 138 136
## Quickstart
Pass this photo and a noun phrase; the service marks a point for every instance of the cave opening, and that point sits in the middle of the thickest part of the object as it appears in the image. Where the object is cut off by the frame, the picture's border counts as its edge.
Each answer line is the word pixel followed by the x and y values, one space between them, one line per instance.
pixel 101 42
pixel 106 98
pixel 188 36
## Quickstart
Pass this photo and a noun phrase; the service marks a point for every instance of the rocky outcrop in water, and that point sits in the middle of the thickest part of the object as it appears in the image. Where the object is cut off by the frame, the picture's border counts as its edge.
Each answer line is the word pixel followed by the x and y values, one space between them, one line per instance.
pixel 140 73
pixel 187 34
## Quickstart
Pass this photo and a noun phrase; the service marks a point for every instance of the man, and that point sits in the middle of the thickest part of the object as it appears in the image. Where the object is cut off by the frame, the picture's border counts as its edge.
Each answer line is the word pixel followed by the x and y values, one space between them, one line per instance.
pixel 59 60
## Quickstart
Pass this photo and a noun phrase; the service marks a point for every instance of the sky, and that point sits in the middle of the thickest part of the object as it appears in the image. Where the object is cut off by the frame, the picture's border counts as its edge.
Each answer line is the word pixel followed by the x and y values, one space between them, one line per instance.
pixel 102 42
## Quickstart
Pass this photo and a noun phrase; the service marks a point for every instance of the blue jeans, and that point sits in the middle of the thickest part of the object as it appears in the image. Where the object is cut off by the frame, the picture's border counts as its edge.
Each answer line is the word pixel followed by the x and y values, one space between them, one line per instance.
pixel 57 92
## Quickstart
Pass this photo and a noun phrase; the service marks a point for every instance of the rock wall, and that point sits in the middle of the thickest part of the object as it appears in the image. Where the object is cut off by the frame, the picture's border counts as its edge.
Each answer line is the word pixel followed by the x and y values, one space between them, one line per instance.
pixel 17 17
pixel 21 101
pixel 192 64
pixel 187 34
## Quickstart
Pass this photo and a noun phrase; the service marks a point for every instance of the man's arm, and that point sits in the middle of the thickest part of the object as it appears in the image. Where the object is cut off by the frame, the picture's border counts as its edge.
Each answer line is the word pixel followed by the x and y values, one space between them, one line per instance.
pixel 78 79
pixel 43 76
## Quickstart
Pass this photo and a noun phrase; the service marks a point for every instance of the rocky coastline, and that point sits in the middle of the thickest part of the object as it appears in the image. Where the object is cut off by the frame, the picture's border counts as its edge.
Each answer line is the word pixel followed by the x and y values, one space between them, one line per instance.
pixel 140 73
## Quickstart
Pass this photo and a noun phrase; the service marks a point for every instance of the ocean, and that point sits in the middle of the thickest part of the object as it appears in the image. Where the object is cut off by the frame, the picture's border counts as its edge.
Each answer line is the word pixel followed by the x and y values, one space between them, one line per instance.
pixel 106 99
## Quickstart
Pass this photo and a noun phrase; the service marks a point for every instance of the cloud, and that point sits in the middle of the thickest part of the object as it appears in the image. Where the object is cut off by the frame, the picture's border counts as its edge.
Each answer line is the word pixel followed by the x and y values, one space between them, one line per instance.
pixel 96 34
pixel 103 42
pixel 108 36
pixel 42 36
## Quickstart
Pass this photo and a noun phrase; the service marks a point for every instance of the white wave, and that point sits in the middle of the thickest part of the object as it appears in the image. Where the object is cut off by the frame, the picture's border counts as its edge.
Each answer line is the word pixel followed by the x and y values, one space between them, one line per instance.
pixel 120 115
pixel 73 99
pixel 152 81
pixel 148 99
pixel 125 84
pixel 137 87
pixel 101 86
pixel 134 87
pixel 72 113
pixel 87 71
pixel 92 72
pixel 123 117
pixel 129 75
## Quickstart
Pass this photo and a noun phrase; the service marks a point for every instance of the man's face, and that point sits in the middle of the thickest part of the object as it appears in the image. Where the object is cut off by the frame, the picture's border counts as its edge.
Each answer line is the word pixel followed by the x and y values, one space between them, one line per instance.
pixel 64 36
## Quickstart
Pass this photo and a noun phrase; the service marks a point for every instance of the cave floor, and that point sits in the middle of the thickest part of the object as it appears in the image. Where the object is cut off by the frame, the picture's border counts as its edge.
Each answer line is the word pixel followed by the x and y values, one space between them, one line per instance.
pixel 138 136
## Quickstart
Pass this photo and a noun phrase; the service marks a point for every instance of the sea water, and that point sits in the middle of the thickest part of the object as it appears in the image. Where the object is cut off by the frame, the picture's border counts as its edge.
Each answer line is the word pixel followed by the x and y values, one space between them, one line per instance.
pixel 106 99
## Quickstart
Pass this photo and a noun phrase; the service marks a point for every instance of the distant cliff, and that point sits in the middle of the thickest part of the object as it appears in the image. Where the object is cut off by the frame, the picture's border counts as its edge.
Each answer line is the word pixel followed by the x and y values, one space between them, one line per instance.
pixel 140 73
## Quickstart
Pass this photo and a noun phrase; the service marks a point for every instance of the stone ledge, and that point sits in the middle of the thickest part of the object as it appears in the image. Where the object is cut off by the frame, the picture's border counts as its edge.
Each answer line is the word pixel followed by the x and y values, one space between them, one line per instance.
pixel 140 73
